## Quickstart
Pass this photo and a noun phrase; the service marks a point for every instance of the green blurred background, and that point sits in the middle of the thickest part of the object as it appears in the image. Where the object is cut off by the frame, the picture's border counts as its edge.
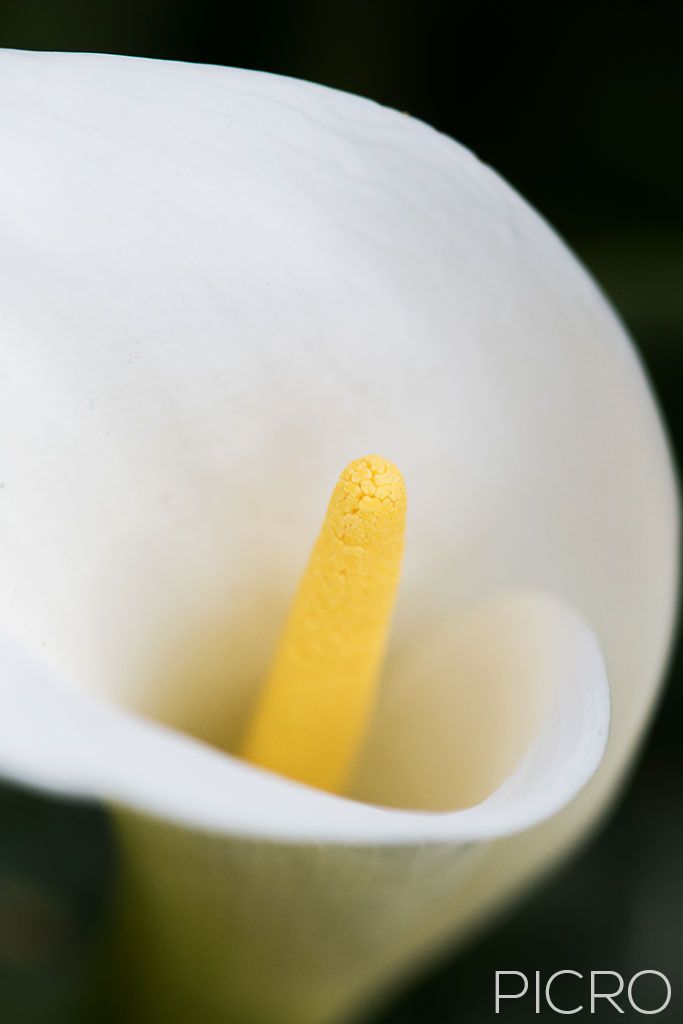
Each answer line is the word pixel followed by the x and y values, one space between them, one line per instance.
pixel 579 106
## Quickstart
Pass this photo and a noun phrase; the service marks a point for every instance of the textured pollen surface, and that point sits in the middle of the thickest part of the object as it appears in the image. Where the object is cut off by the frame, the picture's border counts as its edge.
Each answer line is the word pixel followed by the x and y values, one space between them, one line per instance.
pixel 316 704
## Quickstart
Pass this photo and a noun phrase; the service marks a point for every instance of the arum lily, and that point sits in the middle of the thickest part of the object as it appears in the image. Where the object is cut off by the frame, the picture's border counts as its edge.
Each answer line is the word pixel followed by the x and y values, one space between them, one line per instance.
pixel 219 288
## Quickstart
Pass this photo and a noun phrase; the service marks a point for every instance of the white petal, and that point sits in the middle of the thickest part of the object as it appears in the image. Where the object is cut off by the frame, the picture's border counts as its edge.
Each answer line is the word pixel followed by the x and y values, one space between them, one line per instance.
pixel 331 868
pixel 218 287
pixel 536 650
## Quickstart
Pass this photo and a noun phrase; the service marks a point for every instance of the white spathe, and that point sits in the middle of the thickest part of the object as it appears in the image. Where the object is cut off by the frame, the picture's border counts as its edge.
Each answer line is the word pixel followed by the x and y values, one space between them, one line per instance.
pixel 218 287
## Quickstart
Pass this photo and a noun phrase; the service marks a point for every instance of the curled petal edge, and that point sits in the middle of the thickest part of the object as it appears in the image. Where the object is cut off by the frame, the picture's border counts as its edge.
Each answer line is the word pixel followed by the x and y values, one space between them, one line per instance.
pixel 62 740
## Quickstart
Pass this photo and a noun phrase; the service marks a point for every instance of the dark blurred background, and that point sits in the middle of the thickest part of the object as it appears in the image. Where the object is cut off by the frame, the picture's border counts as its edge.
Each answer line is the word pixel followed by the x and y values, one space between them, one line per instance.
pixel 579 106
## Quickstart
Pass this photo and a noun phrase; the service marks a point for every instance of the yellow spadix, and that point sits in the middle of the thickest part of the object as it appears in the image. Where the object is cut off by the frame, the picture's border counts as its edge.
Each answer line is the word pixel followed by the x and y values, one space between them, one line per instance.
pixel 317 702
